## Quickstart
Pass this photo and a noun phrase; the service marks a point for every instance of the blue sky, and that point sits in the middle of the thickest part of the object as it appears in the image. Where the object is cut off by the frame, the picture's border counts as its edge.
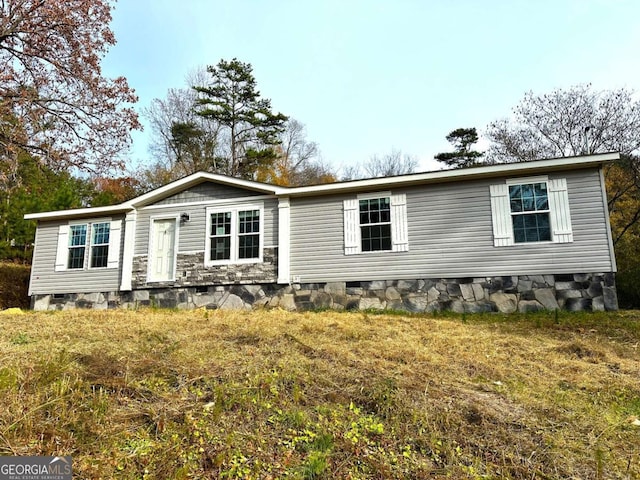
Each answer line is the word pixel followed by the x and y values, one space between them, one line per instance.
pixel 367 77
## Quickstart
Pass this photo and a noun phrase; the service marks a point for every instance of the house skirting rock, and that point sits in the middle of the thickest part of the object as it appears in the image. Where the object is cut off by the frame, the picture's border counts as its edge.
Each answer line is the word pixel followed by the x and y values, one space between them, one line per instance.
pixel 507 294
pixel 190 271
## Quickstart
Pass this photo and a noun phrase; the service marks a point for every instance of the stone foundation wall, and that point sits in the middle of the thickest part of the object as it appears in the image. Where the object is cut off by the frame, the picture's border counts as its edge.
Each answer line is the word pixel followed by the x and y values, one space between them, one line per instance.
pixel 484 294
pixel 190 271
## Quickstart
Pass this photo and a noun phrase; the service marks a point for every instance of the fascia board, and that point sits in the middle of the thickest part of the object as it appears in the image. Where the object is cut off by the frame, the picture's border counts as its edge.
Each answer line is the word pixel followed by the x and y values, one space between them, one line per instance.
pixel 444 176
pixel 155 195
pixel 195 179
pixel 78 212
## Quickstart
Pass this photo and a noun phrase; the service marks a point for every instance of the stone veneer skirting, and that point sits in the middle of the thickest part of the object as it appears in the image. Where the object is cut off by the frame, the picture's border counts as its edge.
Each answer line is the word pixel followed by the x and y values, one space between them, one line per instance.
pixel 524 293
pixel 190 271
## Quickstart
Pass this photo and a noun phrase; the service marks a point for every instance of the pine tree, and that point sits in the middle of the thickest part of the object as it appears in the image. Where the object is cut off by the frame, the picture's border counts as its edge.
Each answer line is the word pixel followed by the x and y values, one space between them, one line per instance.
pixel 233 101
pixel 463 157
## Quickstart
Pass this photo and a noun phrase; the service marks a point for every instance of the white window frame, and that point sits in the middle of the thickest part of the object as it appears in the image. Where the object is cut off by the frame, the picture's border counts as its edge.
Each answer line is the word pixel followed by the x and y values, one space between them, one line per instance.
pixel 233 209
pixel 91 245
pixel 368 197
pixel 87 239
pixel 559 211
pixel 352 226
pixel 113 253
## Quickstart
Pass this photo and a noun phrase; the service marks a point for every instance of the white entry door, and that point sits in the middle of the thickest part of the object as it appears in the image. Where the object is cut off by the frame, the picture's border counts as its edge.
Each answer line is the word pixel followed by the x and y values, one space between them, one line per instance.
pixel 163 244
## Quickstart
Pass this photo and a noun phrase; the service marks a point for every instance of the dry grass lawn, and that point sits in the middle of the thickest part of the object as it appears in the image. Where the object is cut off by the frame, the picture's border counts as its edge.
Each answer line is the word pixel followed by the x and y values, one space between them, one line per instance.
pixel 271 394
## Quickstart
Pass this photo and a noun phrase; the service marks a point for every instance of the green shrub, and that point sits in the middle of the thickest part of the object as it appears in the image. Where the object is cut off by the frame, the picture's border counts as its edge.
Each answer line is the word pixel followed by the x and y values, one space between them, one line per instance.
pixel 14 285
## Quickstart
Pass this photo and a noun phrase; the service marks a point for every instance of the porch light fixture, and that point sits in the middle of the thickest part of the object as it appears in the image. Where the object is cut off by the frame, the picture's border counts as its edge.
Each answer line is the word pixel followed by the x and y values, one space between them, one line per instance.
pixel 184 217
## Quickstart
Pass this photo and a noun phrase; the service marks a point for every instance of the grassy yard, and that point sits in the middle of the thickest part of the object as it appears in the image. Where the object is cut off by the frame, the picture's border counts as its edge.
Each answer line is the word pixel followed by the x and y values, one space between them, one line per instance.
pixel 271 394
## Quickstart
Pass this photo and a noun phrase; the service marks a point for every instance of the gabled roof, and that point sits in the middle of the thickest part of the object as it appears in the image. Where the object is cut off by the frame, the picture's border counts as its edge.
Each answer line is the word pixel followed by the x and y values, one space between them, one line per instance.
pixel 440 176
pixel 459 174
pixel 197 178
pixel 156 195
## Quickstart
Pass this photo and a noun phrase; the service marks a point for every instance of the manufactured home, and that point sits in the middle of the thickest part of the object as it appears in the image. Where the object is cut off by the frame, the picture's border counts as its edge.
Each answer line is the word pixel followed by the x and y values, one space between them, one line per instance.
pixel 511 237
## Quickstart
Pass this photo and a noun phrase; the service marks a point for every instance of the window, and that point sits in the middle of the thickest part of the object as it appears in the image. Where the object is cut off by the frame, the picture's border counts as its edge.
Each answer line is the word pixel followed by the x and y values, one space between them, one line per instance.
pixel 249 234
pixel 220 236
pixel 99 244
pixel 100 240
pixel 375 223
pixel 77 245
pixel 529 205
pixel 234 235
pixel 530 210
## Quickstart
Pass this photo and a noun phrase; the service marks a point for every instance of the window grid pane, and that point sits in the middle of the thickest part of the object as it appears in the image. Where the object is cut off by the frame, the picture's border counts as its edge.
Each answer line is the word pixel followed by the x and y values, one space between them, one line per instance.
pixel 531 228
pixel 249 246
pixel 78 235
pixel 376 238
pixel 100 233
pixel 249 221
pixel 221 224
pixel 220 248
pixel 375 211
pixel 220 236
pixel 76 257
pixel 99 255
pixel 529 205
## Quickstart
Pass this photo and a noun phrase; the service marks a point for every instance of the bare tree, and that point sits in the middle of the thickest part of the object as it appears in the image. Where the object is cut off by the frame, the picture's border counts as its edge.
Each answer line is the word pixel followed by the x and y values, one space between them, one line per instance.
pixel 298 161
pixel 351 172
pixel 565 123
pixel 182 142
pixel 394 163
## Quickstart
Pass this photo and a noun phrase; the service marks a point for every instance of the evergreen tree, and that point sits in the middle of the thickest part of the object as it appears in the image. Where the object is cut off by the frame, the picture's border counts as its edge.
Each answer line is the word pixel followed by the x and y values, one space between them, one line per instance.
pixel 233 102
pixel 462 157
pixel 38 188
pixel 195 149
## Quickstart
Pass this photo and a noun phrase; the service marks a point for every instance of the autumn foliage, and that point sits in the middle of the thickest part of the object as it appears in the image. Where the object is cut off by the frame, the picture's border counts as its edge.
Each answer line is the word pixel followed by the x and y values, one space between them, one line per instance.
pixel 54 101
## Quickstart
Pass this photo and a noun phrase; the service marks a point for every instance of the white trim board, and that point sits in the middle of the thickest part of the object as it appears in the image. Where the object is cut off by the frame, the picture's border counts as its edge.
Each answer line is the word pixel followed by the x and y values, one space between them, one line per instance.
pixel 220 202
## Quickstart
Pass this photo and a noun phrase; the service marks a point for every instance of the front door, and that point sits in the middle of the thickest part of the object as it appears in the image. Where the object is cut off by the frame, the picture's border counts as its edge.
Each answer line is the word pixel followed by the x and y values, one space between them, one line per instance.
pixel 163 244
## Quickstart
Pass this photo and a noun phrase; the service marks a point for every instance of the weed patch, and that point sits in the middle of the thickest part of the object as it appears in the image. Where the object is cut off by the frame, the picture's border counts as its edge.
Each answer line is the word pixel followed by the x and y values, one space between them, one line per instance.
pixel 271 394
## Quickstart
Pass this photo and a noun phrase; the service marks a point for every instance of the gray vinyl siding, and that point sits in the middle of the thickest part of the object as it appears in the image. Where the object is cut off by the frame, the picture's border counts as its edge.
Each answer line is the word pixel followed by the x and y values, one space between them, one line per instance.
pixel 207 191
pixel 44 278
pixel 191 234
pixel 450 235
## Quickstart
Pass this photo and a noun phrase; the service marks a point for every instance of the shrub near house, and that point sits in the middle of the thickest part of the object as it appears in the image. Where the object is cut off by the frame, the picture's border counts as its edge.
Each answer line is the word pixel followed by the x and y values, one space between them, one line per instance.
pixel 14 284
pixel 523 236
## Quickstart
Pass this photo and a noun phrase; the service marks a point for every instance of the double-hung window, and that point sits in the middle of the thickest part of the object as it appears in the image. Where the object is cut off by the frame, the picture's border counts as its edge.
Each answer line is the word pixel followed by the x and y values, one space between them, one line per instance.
pixel 375 222
pixel 220 238
pixel 99 244
pixel 234 235
pixel 77 246
pixel 248 234
pixel 530 210
pixel 529 204
pixel 88 245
